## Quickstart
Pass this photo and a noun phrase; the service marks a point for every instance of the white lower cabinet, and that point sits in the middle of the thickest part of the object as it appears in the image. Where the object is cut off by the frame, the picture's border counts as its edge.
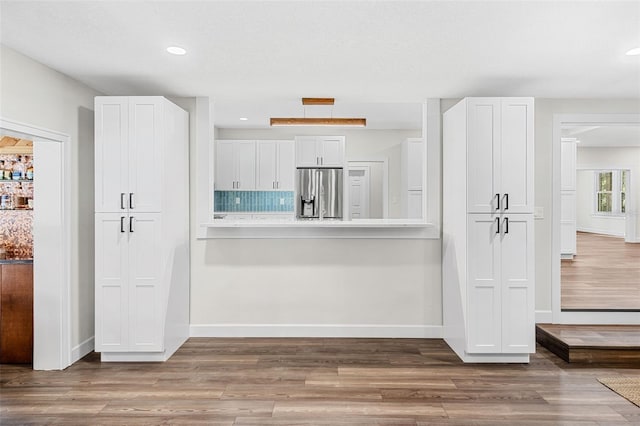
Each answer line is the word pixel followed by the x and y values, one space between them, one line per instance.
pixel 500 298
pixel 129 307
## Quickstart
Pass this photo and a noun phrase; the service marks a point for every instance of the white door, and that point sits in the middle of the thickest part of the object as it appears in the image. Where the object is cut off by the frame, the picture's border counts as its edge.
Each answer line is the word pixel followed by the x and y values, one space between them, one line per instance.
pixel 111 285
pixel 517 274
pixel 286 166
pixel 516 156
pixel 483 299
pixel 483 138
pixel 145 291
pixel 146 124
pixel 111 153
pixel 332 151
pixel 266 167
pixel 225 166
pixel 245 165
pixel 415 153
pixel 359 192
pixel 307 151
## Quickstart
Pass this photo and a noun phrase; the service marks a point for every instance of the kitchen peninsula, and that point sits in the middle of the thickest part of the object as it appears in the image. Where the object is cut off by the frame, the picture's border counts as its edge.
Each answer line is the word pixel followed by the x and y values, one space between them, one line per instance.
pixel 264 179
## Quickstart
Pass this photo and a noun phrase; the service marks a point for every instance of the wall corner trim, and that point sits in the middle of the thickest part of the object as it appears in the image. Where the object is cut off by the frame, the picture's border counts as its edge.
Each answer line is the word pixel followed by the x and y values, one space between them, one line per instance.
pixel 80 351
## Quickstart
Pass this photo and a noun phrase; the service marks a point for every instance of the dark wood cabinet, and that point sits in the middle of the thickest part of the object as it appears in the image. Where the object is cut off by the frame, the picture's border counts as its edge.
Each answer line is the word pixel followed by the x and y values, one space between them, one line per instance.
pixel 16 313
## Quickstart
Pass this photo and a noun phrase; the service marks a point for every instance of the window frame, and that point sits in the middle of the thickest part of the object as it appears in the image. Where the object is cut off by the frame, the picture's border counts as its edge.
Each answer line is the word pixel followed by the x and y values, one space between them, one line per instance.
pixel 616 192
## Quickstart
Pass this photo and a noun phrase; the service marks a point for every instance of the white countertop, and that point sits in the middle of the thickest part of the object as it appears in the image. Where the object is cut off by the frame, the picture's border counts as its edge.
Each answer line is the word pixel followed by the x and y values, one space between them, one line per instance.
pixel 314 223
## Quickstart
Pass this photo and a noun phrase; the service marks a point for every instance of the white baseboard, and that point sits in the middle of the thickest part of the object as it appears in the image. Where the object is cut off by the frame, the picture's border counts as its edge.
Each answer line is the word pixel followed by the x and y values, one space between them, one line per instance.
pixel 544 317
pixel 601 231
pixel 79 351
pixel 316 330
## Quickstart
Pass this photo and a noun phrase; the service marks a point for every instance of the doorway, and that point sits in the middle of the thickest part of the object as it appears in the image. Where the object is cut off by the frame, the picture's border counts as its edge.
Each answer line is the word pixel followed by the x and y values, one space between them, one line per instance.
pixel 51 241
pixel 595 218
pixel 368 188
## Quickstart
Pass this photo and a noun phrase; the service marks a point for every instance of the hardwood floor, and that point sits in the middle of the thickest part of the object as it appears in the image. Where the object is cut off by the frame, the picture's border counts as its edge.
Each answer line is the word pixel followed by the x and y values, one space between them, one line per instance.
pixel 315 381
pixel 605 275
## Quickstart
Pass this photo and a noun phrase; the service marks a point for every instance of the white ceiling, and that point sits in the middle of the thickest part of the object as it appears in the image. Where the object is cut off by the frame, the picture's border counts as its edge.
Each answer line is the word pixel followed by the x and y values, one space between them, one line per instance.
pixel 275 52
pixel 604 136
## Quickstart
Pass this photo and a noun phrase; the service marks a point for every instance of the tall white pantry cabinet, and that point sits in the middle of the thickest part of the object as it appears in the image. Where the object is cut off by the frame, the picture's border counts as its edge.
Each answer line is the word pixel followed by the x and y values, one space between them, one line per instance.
pixel 488 247
pixel 141 228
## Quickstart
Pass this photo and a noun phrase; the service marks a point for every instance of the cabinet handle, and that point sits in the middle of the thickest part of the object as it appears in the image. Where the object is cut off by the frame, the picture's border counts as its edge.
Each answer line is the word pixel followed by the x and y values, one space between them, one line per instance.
pixel 497 225
pixel 277 185
pixel 122 194
pixel 234 184
pixel 506 225
pixel 122 225
pixel 322 161
pixel 132 220
pixel 273 185
pixel 498 199
pixel 238 185
pixel 131 203
pixel 506 201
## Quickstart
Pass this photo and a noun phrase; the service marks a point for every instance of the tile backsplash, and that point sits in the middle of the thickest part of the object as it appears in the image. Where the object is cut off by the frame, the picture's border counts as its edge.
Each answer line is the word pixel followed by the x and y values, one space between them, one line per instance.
pixel 16 234
pixel 253 201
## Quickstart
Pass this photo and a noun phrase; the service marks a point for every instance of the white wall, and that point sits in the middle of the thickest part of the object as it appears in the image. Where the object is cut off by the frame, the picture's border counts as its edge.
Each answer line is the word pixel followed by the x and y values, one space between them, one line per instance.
pixel 586 220
pixel 34 94
pixel 604 158
pixel 360 144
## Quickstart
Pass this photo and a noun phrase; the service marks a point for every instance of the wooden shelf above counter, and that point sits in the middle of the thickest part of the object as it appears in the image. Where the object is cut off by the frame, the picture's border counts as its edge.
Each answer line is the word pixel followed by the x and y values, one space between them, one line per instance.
pixel 10 145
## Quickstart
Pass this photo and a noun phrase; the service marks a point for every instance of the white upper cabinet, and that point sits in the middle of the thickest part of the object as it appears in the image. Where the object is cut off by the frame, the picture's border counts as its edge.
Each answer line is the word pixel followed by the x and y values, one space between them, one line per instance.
pixel 275 165
pixel 129 140
pixel 320 151
pixel 500 155
pixel 235 165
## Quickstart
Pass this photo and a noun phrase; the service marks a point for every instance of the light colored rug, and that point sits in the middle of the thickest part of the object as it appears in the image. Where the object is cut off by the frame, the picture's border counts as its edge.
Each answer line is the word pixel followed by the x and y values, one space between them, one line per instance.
pixel 627 387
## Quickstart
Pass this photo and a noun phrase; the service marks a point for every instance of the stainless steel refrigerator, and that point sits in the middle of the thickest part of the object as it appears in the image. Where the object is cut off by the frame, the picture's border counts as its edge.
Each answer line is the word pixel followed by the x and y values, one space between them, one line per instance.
pixel 319 193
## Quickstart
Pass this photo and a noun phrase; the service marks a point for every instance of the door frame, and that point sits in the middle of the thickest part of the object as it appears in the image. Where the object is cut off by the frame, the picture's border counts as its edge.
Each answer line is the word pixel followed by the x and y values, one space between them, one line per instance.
pixel 559 317
pixel 52 255
pixel 385 178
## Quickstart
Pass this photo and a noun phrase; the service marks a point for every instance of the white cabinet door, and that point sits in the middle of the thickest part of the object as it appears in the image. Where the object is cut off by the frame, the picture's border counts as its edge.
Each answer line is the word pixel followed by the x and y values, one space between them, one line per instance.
pixel 516 156
pixel 111 285
pixel 225 172
pixel 331 151
pixel 266 165
pixel 286 166
pixel 307 151
pixel 517 276
pixel 146 119
pixel 483 139
pixel 145 291
pixel 111 152
pixel 484 298
pixel 415 154
pixel 245 165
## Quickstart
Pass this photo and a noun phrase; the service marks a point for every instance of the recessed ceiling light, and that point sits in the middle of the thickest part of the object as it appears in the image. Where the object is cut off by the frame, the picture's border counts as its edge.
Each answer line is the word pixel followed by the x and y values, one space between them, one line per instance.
pixel 633 52
pixel 243 118
pixel 175 50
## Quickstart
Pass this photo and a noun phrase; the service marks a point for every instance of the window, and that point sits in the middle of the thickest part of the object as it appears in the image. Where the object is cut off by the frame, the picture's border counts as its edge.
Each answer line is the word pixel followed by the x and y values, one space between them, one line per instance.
pixel 605 201
pixel 611 191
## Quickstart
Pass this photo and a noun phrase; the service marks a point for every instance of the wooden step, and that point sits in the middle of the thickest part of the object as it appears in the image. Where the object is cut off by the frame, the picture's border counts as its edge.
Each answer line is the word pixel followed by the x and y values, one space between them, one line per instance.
pixel 616 345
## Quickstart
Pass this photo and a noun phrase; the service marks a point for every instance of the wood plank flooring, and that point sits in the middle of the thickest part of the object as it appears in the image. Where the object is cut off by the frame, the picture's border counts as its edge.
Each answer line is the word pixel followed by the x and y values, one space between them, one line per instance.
pixel 605 275
pixel 592 344
pixel 315 382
